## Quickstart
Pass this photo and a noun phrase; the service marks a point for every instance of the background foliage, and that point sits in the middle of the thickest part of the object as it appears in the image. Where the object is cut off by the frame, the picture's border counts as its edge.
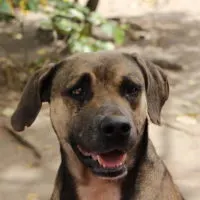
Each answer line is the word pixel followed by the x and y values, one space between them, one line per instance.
pixel 71 22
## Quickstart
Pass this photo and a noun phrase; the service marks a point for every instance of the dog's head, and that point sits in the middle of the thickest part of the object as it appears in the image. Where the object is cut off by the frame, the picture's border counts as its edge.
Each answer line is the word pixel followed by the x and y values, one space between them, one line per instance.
pixel 99 104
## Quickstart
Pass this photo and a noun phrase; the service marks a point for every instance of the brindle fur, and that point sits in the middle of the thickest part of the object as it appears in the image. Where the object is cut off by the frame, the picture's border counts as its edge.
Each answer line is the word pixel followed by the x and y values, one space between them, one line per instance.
pixel 147 178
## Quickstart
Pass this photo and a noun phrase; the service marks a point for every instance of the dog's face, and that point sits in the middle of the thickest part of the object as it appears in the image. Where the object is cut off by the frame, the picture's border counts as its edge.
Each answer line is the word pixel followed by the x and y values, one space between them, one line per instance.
pixel 99 104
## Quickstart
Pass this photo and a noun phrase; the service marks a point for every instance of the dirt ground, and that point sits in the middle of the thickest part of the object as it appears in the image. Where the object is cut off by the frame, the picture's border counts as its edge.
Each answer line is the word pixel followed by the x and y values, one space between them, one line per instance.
pixel 173 33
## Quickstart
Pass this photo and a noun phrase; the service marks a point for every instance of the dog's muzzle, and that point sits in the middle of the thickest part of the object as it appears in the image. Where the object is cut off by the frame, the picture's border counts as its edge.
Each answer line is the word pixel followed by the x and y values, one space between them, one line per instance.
pixel 114 134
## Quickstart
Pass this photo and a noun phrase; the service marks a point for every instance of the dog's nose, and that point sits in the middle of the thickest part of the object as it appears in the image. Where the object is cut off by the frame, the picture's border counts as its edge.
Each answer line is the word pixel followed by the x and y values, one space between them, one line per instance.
pixel 115 126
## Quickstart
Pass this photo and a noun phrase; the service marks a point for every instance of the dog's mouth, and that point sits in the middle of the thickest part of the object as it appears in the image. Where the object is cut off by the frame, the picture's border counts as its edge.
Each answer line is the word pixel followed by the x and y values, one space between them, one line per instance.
pixel 109 164
pixel 111 159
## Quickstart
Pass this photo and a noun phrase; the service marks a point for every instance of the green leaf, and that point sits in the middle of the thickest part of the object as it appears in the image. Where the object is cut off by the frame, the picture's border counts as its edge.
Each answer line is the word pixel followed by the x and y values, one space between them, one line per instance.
pixel 76 14
pixel 107 46
pixel 65 26
pixel 33 5
pixel 96 19
pixel 81 44
pixel 61 5
pixel 88 44
pixel 119 35
pixel 46 25
pixel 82 9
pixel 112 29
pixel 108 29
pixel 5 7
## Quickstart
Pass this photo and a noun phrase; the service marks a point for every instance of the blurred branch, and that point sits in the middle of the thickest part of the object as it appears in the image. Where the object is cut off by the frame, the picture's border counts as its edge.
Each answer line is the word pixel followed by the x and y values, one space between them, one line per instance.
pixel 22 30
pixel 92 5
pixel 22 141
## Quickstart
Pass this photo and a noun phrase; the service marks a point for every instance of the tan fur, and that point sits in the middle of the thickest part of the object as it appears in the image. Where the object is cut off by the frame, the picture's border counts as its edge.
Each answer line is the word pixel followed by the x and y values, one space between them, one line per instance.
pixel 59 118
pixel 141 112
pixel 107 71
pixel 155 177
pixel 98 189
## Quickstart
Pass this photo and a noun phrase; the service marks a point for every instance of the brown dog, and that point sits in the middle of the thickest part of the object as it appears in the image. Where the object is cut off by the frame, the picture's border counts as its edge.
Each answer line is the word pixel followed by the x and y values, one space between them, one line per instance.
pixel 99 104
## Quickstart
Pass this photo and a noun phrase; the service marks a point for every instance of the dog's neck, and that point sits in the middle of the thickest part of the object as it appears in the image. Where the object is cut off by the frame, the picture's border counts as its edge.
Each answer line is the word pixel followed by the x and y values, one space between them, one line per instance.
pixel 86 186
pixel 98 189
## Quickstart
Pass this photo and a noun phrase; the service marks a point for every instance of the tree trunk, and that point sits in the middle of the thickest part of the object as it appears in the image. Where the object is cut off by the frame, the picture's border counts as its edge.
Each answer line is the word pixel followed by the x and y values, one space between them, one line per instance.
pixel 92 5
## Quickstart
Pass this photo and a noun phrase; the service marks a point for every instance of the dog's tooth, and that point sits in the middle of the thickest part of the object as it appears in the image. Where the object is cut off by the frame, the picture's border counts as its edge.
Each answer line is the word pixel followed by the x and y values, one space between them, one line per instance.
pixel 124 158
pixel 85 153
pixel 94 157
pixel 99 161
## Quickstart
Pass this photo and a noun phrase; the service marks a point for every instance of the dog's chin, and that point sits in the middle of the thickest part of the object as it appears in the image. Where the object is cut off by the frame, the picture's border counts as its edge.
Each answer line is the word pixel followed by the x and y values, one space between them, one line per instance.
pixel 110 165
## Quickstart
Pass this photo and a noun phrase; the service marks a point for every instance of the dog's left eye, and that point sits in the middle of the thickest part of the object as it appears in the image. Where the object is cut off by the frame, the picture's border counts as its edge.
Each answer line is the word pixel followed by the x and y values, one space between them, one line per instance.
pixel 78 94
pixel 130 90
pixel 81 91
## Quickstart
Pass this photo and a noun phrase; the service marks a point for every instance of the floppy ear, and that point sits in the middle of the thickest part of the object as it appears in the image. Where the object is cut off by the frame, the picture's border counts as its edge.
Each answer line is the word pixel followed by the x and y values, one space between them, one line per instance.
pixel 157 87
pixel 36 91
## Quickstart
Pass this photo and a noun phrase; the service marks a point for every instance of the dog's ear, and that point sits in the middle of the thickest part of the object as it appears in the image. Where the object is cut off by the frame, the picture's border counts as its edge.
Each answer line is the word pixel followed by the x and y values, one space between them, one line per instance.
pixel 157 87
pixel 36 91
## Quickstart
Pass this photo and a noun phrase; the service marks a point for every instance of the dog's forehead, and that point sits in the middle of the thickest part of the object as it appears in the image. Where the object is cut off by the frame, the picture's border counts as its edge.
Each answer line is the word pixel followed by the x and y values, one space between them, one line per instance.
pixel 105 60
pixel 105 66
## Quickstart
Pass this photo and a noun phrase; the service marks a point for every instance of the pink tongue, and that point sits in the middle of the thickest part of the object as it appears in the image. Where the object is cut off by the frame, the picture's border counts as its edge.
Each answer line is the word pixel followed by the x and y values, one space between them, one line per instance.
pixel 112 159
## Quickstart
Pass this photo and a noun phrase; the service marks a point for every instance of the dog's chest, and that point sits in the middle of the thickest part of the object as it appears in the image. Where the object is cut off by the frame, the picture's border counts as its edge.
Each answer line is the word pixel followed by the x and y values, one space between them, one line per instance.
pixel 99 191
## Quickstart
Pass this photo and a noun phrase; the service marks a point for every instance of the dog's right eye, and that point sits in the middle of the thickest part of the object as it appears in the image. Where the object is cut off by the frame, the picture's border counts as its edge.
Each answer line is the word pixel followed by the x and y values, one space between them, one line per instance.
pixel 130 90
pixel 81 91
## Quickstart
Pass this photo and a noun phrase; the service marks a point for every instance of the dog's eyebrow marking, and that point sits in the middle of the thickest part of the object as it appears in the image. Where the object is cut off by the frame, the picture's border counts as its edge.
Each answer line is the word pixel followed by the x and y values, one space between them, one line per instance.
pixel 131 78
pixel 72 79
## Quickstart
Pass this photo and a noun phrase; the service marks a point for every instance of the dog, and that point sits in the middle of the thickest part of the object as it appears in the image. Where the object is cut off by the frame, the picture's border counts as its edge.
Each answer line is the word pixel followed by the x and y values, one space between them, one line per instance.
pixel 100 107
